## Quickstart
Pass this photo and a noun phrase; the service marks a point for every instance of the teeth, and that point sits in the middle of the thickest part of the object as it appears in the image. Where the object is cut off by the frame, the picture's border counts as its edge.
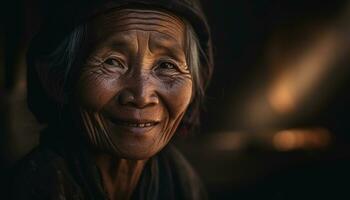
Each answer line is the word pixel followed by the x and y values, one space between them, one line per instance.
pixel 141 125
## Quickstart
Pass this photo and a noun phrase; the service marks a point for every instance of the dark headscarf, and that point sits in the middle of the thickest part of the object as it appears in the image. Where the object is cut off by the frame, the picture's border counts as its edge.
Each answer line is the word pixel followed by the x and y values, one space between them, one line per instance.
pixel 62 166
pixel 62 16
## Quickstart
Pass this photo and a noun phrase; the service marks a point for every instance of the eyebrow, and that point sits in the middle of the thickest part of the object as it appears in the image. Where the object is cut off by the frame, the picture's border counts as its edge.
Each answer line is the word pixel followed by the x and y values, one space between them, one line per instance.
pixel 168 45
pixel 120 43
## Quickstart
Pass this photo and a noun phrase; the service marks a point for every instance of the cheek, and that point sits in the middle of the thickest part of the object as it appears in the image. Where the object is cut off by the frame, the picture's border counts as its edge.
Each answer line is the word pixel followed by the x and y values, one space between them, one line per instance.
pixel 94 93
pixel 177 97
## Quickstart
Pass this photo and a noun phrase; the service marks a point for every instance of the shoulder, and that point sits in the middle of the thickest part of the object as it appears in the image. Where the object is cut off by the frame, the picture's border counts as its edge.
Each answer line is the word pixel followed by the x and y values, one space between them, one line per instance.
pixel 187 178
pixel 41 174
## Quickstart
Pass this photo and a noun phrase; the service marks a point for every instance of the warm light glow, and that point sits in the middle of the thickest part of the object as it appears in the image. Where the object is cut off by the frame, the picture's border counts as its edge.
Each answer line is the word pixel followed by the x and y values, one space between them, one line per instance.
pixel 282 97
pixel 293 139
pixel 228 141
pixel 285 140
pixel 302 74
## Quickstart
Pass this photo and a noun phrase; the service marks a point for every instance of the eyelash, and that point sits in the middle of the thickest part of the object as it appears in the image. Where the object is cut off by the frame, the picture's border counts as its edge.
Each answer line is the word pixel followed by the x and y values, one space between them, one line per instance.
pixel 112 64
pixel 105 62
pixel 167 65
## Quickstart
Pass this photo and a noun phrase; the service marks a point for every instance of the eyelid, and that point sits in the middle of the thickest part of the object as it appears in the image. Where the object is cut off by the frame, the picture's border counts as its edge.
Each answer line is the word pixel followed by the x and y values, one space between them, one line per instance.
pixel 117 57
pixel 170 60
pixel 180 66
pixel 120 61
pixel 96 58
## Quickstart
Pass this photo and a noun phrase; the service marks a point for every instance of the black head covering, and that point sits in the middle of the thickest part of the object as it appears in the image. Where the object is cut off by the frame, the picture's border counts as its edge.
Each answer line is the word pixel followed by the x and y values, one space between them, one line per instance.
pixel 62 16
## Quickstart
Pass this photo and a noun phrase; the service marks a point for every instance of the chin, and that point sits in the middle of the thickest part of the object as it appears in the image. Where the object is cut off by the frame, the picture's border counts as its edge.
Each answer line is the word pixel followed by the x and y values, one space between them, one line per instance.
pixel 138 143
pixel 137 154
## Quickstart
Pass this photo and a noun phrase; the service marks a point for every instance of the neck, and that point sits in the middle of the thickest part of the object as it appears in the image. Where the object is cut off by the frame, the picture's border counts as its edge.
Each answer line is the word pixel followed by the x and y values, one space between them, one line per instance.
pixel 119 176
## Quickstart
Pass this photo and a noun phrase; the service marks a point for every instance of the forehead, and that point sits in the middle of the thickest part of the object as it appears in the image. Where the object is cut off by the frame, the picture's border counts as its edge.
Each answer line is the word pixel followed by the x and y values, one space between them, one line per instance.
pixel 118 24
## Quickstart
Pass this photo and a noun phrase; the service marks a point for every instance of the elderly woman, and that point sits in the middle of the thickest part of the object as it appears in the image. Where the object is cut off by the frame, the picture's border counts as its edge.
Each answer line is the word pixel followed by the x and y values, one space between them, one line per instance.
pixel 114 80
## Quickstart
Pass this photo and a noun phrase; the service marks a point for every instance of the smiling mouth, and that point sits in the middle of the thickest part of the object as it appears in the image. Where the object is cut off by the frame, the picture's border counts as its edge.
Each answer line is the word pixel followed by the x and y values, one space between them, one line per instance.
pixel 135 123
pixel 138 125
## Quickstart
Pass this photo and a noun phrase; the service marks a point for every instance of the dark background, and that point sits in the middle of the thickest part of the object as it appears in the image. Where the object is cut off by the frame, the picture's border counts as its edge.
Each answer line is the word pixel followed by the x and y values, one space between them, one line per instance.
pixel 275 124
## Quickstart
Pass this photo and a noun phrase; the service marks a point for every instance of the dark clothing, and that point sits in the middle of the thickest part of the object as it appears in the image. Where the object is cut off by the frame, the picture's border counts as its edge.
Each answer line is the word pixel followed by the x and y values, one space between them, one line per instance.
pixel 65 171
pixel 70 174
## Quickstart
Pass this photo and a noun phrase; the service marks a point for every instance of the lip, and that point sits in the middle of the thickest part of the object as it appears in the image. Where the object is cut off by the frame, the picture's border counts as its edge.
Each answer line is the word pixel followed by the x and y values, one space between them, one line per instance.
pixel 137 126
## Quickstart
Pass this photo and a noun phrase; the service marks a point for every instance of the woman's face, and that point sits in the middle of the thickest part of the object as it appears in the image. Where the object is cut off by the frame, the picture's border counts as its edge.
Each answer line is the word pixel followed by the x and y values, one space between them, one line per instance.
pixel 134 86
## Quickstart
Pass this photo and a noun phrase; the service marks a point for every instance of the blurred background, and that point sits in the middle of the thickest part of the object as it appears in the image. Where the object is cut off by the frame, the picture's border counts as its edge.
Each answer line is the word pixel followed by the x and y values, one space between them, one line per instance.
pixel 275 123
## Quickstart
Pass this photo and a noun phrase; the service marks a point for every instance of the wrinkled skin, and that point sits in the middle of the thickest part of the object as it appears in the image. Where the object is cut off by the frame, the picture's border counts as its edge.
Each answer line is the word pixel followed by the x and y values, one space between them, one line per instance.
pixel 133 89
pixel 135 85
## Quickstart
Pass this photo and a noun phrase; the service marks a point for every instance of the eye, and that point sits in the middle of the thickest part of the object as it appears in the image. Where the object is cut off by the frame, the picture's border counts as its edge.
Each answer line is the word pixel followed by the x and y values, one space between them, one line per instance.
pixel 113 62
pixel 167 66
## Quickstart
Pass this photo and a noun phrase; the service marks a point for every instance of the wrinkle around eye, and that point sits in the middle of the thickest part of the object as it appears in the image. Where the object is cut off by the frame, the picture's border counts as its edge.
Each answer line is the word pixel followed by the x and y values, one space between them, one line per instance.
pixel 179 66
pixel 178 80
pixel 173 75
pixel 114 64
pixel 97 73
pixel 93 61
pixel 109 61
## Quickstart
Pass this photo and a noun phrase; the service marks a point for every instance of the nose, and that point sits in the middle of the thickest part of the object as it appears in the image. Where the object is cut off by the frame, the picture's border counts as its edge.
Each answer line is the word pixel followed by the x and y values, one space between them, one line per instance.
pixel 139 92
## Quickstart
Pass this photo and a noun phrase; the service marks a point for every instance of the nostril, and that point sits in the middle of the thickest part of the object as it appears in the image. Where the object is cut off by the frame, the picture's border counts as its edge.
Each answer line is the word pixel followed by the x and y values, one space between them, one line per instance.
pixel 126 97
pixel 137 99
